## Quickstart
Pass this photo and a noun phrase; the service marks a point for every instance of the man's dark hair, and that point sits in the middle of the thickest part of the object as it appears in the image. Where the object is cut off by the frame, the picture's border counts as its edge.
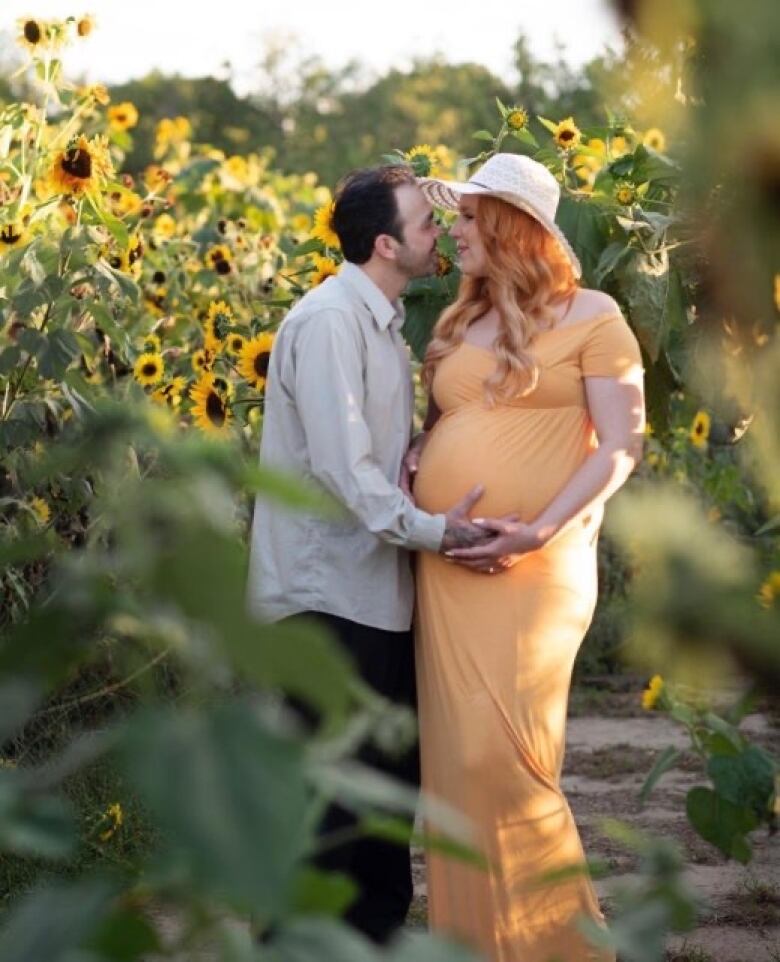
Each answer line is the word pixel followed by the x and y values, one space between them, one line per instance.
pixel 366 206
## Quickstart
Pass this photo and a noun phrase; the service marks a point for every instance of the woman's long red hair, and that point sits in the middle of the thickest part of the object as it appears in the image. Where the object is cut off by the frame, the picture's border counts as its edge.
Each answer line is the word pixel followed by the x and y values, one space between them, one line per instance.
pixel 527 274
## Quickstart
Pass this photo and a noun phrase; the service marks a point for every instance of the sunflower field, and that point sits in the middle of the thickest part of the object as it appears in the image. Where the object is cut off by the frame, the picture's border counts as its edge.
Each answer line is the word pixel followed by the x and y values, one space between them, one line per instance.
pixel 145 762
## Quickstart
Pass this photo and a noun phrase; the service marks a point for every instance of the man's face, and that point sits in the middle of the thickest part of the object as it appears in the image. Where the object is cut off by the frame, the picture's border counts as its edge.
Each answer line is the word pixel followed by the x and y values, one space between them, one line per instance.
pixel 416 254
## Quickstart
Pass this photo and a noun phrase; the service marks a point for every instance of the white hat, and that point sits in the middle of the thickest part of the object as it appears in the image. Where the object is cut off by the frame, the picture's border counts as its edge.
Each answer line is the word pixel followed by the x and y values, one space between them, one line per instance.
pixel 518 180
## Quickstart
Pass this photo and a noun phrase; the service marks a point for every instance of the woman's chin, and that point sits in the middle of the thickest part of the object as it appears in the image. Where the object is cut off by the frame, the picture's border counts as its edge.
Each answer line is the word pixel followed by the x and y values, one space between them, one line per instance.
pixel 470 270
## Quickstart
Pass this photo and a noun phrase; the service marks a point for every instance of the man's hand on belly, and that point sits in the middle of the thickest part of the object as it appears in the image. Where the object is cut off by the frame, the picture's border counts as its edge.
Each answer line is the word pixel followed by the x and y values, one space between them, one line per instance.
pixel 460 531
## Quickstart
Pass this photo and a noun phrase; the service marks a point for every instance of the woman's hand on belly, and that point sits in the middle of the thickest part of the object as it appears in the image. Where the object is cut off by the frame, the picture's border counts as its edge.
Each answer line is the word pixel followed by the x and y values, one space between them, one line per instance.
pixel 410 464
pixel 513 538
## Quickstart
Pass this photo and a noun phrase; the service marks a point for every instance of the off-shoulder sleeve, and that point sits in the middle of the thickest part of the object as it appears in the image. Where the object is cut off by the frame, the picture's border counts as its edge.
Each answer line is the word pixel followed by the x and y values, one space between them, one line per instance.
pixel 610 349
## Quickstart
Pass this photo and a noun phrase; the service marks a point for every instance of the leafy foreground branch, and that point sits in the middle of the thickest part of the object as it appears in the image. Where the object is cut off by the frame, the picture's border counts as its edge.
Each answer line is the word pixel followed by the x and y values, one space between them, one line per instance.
pixel 231 788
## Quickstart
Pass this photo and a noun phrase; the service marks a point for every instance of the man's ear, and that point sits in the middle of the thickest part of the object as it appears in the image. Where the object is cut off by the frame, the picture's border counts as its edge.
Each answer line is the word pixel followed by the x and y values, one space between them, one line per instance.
pixel 386 246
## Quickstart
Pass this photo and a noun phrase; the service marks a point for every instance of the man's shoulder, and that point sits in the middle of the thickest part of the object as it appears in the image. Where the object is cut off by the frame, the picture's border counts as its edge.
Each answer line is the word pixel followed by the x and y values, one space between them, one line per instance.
pixel 327 304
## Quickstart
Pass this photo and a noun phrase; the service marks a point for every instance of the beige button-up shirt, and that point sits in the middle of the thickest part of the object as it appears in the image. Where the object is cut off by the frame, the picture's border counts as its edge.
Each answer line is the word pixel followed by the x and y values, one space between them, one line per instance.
pixel 338 414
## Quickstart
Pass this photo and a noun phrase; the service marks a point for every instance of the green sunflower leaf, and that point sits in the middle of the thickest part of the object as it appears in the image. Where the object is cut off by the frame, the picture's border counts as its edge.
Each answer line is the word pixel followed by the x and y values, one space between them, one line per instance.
pixel 525 137
pixel 230 797
pixel 552 127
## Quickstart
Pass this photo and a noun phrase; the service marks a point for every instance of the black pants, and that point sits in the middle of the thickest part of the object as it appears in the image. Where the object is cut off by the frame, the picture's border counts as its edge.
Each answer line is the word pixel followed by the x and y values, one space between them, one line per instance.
pixel 382 870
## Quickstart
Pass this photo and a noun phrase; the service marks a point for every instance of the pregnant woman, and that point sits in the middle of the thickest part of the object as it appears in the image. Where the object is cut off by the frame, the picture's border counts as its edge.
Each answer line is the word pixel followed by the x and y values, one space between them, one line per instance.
pixel 536 392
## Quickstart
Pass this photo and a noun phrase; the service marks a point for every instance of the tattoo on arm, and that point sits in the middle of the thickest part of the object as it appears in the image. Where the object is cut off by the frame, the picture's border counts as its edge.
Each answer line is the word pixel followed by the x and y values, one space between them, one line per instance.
pixel 464 536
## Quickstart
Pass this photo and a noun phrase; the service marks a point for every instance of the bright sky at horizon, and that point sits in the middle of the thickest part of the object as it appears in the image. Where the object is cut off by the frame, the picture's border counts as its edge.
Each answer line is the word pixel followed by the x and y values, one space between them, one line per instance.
pixel 197 39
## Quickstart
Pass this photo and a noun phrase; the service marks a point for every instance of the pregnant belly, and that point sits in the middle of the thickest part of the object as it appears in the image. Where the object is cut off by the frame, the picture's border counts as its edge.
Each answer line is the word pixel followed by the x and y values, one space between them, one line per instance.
pixel 523 458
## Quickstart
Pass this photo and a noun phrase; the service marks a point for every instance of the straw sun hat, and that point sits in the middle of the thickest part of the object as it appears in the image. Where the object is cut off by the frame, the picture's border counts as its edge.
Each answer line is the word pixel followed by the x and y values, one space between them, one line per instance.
pixel 518 180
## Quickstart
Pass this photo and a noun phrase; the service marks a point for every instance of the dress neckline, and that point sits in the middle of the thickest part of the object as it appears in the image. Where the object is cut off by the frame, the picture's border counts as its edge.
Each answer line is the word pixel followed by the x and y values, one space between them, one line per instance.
pixel 550 330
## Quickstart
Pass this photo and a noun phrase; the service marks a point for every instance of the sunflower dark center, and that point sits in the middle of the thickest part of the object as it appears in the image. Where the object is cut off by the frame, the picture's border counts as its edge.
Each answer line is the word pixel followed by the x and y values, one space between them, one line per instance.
pixel 32 32
pixel 77 163
pixel 261 363
pixel 222 267
pixel 149 368
pixel 566 134
pixel 215 409
pixel 8 235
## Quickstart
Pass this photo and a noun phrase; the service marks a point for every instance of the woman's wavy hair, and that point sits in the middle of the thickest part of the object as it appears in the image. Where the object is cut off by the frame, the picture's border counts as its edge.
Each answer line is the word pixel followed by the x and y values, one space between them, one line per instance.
pixel 527 273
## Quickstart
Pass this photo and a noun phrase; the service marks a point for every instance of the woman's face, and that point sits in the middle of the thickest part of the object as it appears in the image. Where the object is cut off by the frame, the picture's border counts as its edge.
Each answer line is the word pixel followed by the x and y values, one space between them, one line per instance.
pixel 471 251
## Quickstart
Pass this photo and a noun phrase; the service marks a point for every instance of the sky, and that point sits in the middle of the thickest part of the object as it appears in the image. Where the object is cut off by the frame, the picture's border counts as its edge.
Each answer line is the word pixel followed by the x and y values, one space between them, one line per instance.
pixel 197 37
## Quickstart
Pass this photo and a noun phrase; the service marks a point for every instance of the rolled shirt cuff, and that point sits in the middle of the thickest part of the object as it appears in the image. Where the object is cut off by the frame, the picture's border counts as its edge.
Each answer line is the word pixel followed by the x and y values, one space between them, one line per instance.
pixel 427 531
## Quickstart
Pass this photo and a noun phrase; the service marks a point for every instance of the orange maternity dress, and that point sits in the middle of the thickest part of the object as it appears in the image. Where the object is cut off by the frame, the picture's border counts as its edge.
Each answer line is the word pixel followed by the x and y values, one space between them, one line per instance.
pixel 495 652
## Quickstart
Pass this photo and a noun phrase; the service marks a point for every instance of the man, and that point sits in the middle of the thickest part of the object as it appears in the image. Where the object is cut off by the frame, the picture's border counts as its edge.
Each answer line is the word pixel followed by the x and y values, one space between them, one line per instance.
pixel 338 413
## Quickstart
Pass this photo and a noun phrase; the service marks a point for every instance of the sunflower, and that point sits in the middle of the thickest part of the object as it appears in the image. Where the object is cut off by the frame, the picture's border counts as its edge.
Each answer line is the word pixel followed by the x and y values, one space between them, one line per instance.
pixel 40 509
pixel 586 167
pixel 152 343
pixel 157 178
pixel 112 818
pixel 237 167
pixel 218 258
pixel 234 343
pixel 324 267
pixel 13 235
pixel 164 226
pixel 625 193
pixel 300 223
pixel 90 371
pixel 443 265
pixel 216 325
pixel 170 393
pixel 323 226
pixel 618 146
pixel 128 260
pixel 567 134
pixel 769 590
pixel 32 33
pixel 655 139
pixel 171 131
pixel 203 360
pixel 517 118
pixel 598 145
pixel 124 203
pixel 254 358
pixel 35 34
pixel 122 116
pixel 149 368
pixel 700 430
pixel 83 167
pixel 652 693
pixel 97 92
pixel 85 25
pixel 209 408
pixel 423 160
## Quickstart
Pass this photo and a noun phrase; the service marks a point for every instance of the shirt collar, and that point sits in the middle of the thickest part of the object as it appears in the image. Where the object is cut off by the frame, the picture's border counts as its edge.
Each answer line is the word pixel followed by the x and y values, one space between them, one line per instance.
pixel 382 310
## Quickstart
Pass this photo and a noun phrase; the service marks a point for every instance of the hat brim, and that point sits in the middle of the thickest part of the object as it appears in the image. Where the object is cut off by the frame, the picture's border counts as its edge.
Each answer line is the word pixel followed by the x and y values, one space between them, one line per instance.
pixel 447 194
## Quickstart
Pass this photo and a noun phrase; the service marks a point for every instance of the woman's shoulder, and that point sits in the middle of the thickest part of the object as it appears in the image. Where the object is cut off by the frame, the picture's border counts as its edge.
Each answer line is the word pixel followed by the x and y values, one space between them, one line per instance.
pixel 590 304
